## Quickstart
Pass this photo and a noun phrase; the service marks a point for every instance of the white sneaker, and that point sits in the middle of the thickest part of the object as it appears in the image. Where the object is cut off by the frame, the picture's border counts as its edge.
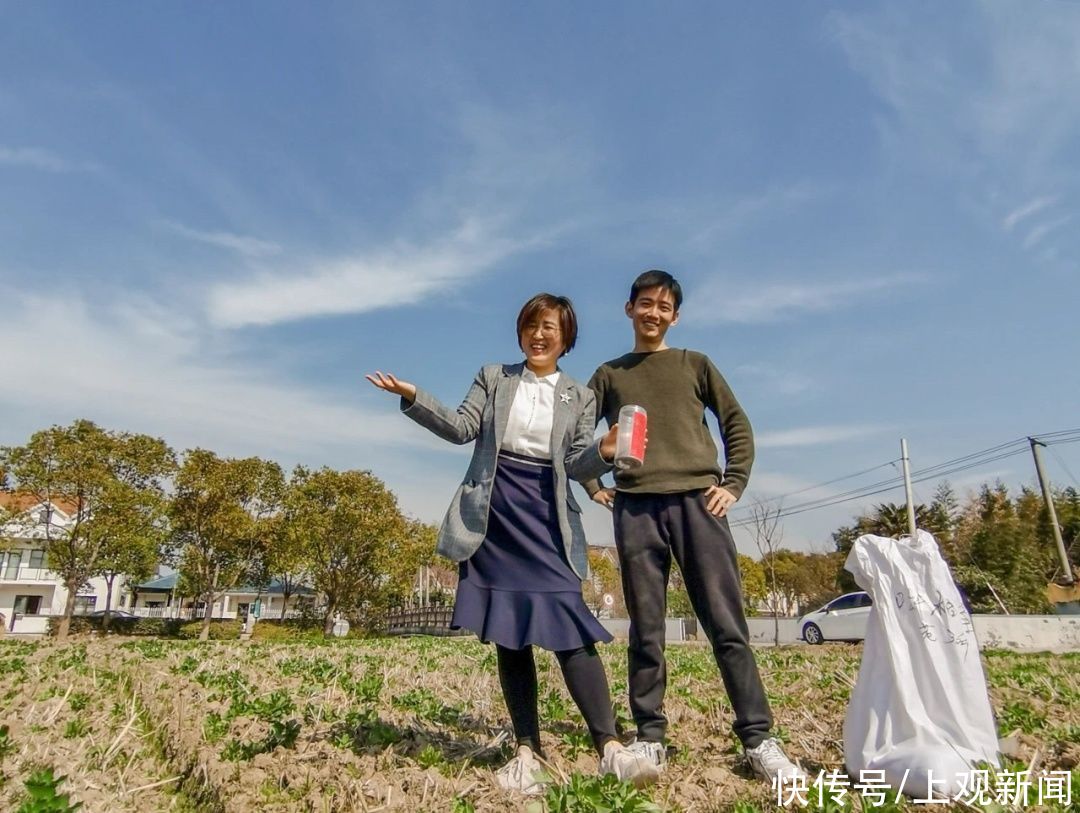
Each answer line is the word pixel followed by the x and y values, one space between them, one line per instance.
pixel 523 773
pixel 771 763
pixel 654 753
pixel 630 764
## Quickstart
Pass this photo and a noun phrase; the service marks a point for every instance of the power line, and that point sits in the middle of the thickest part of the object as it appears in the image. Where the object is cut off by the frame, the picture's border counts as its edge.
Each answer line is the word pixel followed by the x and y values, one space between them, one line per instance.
pixel 1061 462
pixel 828 482
pixel 1062 442
pixel 1020 442
pixel 1002 451
pixel 973 465
pixel 1044 435
pixel 945 469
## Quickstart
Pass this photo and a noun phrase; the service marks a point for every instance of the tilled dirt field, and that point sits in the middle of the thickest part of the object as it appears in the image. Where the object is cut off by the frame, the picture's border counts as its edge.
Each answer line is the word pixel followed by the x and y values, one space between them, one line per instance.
pixel 419 724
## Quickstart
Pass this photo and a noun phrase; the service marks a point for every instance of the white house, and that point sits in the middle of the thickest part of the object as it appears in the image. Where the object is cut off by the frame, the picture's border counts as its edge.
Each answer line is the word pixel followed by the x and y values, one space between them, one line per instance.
pixel 29 592
pixel 161 598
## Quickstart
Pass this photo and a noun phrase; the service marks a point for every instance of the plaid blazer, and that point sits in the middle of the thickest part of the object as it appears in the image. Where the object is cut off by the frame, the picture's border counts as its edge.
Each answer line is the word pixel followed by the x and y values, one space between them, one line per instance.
pixel 483 417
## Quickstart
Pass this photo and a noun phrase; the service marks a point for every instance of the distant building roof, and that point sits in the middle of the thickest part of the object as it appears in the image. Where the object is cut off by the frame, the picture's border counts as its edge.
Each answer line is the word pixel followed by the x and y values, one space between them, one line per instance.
pixel 166 584
pixel 18 501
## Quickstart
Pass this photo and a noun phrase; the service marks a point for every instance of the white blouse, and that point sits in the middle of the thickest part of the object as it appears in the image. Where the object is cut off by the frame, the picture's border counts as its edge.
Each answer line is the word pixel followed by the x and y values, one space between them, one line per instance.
pixel 528 430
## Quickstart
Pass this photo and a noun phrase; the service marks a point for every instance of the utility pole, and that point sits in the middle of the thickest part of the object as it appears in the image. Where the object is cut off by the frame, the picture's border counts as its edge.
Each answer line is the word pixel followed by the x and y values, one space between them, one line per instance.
pixel 1048 498
pixel 912 530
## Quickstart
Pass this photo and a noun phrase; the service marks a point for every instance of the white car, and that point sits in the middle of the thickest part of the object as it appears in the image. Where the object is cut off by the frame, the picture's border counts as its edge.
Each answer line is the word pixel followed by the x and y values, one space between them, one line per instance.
pixel 842 619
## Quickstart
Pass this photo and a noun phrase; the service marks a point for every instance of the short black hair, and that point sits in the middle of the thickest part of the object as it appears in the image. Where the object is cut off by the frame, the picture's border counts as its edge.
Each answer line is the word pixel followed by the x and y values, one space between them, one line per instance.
pixel 655 278
pixel 532 309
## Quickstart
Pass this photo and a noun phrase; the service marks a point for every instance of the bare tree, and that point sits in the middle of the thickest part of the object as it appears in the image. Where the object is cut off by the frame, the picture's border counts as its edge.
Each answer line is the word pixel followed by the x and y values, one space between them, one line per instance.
pixel 768 534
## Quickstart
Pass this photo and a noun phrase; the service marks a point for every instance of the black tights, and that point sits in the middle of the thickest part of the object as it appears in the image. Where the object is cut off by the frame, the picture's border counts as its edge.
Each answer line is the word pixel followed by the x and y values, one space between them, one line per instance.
pixel 585 678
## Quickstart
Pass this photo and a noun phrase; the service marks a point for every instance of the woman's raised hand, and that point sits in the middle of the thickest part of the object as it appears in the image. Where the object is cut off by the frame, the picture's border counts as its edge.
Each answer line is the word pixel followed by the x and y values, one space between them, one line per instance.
pixel 391 383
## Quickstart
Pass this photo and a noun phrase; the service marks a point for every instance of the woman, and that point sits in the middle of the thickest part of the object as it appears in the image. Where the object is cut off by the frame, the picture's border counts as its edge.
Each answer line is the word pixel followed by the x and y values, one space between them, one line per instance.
pixel 516 530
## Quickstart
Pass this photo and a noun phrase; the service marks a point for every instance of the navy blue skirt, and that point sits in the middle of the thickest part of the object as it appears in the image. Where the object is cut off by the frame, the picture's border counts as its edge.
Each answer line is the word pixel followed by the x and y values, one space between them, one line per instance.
pixel 518 589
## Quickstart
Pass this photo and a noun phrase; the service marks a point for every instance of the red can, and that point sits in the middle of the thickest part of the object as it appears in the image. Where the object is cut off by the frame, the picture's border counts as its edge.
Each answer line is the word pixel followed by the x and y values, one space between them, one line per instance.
pixel 630 443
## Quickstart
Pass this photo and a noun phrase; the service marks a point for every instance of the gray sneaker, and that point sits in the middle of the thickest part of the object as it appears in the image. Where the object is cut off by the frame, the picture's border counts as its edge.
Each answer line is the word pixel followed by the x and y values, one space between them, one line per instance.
pixel 771 763
pixel 630 764
pixel 523 773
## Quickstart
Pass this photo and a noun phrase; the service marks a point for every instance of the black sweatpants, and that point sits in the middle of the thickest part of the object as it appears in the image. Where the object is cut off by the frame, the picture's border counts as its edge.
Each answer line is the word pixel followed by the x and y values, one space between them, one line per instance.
pixel 651 530
pixel 585 678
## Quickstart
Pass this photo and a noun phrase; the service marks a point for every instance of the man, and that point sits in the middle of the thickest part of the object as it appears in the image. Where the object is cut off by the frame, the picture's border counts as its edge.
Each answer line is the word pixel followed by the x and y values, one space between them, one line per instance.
pixel 675 506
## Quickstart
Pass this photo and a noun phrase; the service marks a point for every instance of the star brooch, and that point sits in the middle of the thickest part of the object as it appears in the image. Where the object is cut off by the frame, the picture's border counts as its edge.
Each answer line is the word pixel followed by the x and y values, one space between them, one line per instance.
pixel 565 398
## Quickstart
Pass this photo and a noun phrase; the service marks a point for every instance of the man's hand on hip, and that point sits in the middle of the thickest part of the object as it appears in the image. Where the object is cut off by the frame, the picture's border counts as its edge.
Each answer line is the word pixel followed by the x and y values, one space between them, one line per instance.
pixel 718 500
pixel 606 497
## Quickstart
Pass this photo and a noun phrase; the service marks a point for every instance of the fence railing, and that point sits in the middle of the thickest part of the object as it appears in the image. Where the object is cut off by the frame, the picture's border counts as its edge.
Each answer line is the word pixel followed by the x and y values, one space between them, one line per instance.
pixel 278 615
pixel 27 573
pixel 187 614
pixel 421 621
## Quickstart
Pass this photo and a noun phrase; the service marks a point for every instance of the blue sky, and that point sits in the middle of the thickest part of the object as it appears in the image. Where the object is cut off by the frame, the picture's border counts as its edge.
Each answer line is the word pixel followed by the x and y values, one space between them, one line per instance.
pixel 215 218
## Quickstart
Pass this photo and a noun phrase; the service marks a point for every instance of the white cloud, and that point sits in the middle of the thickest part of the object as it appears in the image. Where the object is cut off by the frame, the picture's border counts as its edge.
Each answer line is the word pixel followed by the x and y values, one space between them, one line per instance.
pixel 750 302
pixel 813 436
pixel 1043 217
pixel 242 244
pixel 988 92
pixel 970 484
pixel 519 180
pixel 140 368
pixel 984 97
pixel 41 159
pixel 1036 235
pixel 1026 211
pixel 1019 64
pixel 784 382
pixel 737 214
pixel 401 275
pixel 769 485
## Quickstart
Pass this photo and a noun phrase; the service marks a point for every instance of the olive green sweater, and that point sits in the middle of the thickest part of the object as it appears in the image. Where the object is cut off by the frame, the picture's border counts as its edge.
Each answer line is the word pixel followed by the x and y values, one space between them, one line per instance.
pixel 675 387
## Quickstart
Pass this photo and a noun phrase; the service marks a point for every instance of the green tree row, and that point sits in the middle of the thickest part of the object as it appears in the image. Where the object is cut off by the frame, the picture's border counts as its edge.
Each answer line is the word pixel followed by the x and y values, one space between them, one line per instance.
pixel 999 546
pixel 221 522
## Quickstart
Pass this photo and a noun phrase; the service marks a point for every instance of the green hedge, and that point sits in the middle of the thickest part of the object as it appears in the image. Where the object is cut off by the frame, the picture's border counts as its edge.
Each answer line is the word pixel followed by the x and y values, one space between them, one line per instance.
pixel 289 630
pixel 160 627
pixel 295 629
pixel 219 630
pixel 155 627
pixel 285 631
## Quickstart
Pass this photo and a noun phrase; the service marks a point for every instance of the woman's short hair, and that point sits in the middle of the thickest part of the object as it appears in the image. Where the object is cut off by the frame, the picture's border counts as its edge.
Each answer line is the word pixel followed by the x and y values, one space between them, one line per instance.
pixel 531 310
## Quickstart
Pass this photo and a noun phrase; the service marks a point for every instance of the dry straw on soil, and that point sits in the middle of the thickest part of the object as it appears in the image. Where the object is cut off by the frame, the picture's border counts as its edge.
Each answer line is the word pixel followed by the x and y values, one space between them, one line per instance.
pixel 416 724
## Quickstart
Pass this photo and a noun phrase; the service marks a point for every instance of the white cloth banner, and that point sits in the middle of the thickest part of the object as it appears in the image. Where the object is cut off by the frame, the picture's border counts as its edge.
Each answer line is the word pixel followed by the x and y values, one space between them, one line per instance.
pixel 919 711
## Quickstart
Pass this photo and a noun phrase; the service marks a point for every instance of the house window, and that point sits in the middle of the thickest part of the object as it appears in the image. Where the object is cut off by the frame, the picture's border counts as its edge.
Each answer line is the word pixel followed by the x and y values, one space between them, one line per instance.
pixel 11 570
pixel 242 610
pixel 38 559
pixel 84 604
pixel 27 605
